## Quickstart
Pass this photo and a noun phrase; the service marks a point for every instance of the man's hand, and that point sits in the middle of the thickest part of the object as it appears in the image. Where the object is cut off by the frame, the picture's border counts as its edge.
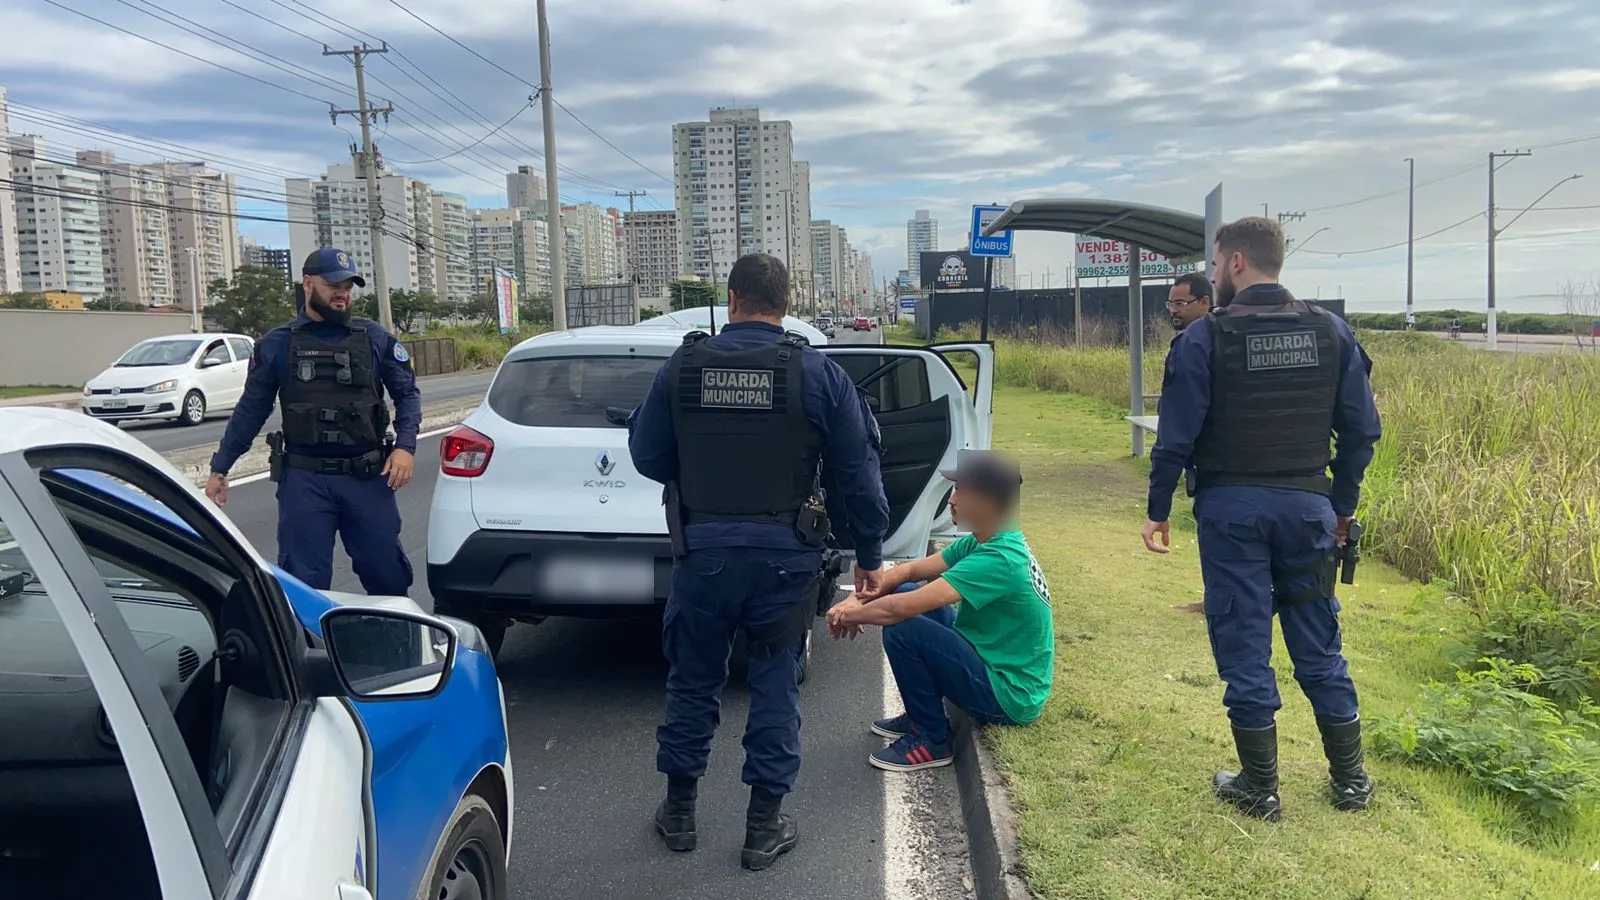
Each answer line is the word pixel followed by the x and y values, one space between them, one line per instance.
pixel 1341 531
pixel 840 621
pixel 1151 529
pixel 869 582
pixel 399 467
pixel 217 489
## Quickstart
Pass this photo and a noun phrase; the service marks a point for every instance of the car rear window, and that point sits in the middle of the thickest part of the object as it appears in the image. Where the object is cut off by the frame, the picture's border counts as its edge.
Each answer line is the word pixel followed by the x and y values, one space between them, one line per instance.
pixel 571 391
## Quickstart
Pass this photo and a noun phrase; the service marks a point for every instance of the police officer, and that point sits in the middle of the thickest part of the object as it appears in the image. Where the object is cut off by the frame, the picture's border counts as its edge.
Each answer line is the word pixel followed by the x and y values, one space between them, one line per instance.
pixel 336 473
pixel 1253 399
pixel 737 426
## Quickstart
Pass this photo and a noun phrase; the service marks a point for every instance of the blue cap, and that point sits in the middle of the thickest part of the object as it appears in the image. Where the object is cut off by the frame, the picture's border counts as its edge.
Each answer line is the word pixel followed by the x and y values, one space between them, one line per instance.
pixel 332 265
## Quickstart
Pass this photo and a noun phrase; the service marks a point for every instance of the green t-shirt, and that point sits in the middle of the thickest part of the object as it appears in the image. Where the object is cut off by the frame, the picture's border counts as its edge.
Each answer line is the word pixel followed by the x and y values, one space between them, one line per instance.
pixel 1004 612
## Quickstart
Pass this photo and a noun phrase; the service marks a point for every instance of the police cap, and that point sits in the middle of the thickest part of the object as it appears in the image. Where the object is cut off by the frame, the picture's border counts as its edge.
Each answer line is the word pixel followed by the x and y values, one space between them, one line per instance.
pixel 332 265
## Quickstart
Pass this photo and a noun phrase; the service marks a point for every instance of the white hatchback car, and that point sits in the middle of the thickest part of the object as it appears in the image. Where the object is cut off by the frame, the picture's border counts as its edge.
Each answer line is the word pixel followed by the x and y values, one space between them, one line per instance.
pixel 538 510
pixel 179 377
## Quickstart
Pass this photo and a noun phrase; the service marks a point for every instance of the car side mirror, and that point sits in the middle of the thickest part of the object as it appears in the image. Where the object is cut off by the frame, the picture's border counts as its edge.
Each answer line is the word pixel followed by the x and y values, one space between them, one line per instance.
pixel 388 654
pixel 210 362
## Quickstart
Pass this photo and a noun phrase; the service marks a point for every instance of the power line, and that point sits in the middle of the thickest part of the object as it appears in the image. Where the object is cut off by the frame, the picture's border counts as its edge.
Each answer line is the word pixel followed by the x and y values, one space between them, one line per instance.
pixel 463 46
pixel 118 28
pixel 1471 218
pixel 606 142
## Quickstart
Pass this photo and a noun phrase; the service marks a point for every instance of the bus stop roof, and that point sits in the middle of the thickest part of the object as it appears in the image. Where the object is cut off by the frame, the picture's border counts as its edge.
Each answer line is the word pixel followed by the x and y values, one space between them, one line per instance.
pixel 1174 234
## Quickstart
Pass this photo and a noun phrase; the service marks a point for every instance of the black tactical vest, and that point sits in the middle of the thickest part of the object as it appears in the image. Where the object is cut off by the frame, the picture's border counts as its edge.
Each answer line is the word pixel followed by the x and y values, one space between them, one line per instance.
pixel 746 451
pixel 330 397
pixel 1274 383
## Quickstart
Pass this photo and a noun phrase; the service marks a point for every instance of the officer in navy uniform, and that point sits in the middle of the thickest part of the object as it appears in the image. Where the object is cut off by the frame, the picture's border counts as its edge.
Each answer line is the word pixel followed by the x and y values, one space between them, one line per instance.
pixel 736 426
pixel 1256 397
pixel 337 472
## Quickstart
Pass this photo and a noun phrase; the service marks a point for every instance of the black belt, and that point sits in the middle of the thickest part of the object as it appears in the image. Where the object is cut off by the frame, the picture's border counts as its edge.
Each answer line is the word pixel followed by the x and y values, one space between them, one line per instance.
pixel 364 466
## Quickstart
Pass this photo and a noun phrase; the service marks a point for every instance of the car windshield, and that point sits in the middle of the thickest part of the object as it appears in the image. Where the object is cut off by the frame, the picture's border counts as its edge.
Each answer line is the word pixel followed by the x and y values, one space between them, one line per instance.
pixel 572 391
pixel 117 579
pixel 159 353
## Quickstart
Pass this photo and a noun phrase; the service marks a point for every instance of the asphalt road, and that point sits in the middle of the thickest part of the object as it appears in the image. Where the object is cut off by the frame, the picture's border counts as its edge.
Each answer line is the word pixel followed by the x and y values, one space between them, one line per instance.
pixel 584 699
pixel 164 437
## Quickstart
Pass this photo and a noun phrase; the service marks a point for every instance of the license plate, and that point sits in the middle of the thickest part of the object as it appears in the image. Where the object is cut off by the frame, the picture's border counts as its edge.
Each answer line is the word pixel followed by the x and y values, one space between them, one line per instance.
pixel 600 578
pixel 116 404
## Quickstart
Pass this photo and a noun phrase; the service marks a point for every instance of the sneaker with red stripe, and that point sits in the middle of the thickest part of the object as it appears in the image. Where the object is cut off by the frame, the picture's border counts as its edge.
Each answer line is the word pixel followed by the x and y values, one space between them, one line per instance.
pixel 910 753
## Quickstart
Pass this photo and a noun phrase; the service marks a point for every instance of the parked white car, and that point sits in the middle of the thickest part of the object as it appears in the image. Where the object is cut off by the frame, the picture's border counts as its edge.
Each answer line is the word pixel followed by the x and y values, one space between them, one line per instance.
pixel 539 512
pixel 179 377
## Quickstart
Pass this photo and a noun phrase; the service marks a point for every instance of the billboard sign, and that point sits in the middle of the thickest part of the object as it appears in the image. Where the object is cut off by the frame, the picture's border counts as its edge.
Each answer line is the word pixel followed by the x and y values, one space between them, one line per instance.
pixel 908 304
pixel 1109 259
pixel 503 288
pixel 952 271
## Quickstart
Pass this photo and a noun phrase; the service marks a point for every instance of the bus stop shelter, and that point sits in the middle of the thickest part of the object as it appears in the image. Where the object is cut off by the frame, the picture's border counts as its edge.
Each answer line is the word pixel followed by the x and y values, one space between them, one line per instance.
pixel 1179 236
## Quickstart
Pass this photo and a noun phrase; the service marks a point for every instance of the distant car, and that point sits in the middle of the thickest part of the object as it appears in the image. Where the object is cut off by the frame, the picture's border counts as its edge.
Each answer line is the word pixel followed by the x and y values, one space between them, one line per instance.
pixel 180 718
pixel 539 512
pixel 177 377
pixel 862 323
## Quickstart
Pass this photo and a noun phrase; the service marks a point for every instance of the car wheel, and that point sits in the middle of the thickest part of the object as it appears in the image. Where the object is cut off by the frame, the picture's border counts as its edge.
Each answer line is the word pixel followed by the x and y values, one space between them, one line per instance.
pixel 471 860
pixel 194 408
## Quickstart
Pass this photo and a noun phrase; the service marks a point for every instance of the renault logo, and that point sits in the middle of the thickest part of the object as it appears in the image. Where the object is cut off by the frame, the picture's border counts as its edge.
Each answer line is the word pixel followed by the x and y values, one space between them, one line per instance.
pixel 604 462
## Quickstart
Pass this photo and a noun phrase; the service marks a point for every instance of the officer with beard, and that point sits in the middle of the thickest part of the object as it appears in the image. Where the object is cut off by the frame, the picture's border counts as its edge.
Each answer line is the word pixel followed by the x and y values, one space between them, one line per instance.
pixel 736 427
pixel 1187 302
pixel 335 469
pixel 1256 396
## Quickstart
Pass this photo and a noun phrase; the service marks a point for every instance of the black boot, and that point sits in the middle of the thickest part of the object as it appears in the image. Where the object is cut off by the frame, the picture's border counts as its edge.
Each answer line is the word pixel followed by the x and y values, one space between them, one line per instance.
pixel 768 833
pixel 1347 777
pixel 675 815
pixel 1254 789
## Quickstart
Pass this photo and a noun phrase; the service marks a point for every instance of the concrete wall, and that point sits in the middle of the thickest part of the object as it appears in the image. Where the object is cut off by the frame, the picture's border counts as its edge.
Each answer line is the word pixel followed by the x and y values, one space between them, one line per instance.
pixel 68 347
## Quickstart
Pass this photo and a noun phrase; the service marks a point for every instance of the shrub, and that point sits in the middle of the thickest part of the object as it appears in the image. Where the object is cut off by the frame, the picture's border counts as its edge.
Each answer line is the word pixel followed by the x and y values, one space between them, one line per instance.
pixel 1487 725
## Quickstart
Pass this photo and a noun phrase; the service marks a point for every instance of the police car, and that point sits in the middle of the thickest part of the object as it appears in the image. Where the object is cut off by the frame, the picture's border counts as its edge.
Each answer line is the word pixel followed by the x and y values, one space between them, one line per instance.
pixel 181 719
pixel 538 511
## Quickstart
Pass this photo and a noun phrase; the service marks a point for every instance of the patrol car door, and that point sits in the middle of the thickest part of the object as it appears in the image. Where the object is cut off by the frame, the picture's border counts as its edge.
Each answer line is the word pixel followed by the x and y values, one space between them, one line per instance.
pixel 279 806
pixel 926 415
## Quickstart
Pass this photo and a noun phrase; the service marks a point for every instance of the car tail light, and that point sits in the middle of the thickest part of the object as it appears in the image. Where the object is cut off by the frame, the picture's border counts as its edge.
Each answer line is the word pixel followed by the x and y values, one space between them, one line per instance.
pixel 465 453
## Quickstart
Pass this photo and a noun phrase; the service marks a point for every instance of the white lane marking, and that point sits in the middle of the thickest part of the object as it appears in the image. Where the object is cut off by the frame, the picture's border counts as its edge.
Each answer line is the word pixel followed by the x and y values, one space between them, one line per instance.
pixel 901 869
pixel 260 475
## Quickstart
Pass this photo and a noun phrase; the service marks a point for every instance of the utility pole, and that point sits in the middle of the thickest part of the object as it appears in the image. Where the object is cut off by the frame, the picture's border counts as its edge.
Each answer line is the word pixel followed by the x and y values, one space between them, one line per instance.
pixel 365 113
pixel 1411 239
pixel 630 195
pixel 1493 333
pixel 1290 217
pixel 194 288
pixel 558 237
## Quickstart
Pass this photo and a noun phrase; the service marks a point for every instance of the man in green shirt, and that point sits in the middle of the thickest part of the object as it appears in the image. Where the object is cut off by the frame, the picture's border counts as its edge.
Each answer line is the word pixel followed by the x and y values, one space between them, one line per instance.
pixel 972 624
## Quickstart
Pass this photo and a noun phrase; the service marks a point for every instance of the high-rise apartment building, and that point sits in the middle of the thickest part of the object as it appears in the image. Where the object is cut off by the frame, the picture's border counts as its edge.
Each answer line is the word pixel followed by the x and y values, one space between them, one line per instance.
pixel 514 240
pixel 739 190
pixel 922 236
pixel 10 262
pixel 167 230
pixel 251 253
pixel 452 248
pixel 421 241
pixel 650 250
pixel 593 250
pixel 833 261
pixel 59 245
pixel 864 285
pixel 525 189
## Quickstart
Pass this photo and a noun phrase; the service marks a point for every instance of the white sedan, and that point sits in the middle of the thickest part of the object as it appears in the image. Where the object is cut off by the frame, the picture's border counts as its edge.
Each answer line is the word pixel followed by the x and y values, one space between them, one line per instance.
pixel 179 377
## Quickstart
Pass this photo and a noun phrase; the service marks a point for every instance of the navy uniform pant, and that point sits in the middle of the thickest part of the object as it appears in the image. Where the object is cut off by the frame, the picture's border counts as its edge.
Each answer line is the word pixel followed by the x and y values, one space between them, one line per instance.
pixel 1261 550
pixel 313 507
pixel 714 593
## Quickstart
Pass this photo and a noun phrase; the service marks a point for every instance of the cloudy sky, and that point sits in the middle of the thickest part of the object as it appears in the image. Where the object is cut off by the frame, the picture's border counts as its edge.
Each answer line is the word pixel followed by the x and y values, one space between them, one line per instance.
pixel 1302 105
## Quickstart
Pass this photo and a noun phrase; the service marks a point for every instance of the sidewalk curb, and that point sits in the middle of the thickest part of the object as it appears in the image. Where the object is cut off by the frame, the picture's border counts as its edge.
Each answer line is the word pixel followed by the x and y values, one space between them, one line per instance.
pixel 986 811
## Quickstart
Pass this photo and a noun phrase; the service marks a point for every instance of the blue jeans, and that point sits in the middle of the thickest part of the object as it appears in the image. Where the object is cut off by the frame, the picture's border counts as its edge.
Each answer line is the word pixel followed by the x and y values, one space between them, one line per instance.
pixel 932 662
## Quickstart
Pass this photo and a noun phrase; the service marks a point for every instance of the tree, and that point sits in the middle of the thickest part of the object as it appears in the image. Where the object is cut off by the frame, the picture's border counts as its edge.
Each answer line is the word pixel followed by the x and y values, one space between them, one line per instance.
pixel 479 308
pixel 1581 302
pixel 535 311
pixel 25 300
pixel 409 308
pixel 256 301
pixel 690 294
pixel 109 303
pixel 648 312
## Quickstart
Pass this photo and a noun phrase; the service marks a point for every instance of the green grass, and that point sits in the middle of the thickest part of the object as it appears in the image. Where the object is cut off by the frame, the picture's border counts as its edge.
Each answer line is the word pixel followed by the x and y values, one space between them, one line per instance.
pixel 1112 785
pixel 34 390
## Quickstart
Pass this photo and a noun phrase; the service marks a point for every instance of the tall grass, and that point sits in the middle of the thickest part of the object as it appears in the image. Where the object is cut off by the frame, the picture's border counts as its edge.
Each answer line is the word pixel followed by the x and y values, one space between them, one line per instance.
pixel 481 346
pixel 1487 479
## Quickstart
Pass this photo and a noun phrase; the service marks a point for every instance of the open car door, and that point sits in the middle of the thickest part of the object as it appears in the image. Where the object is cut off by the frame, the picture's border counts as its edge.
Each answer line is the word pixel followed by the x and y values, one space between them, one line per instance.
pixel 927 413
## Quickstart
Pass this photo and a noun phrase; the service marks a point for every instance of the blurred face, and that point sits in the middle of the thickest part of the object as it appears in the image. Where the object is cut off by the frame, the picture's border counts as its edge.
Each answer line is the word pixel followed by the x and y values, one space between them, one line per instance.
pixel 972 510
pixel 1184 307
pixel 1223 269
pixel 330 302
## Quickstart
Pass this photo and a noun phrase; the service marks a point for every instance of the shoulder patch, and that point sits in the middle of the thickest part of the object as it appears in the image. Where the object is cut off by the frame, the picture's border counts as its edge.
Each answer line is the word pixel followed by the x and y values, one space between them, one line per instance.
pixel 401 354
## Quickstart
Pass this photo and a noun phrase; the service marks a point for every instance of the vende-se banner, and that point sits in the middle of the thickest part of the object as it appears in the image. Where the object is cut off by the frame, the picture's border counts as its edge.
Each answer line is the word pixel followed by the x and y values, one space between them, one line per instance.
pixel 1109 259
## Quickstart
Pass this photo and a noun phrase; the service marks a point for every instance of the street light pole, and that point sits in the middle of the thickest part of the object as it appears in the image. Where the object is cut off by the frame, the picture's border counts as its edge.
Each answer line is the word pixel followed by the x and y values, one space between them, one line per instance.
pixel 194 288
pixel 1411 219
pixel 1494 329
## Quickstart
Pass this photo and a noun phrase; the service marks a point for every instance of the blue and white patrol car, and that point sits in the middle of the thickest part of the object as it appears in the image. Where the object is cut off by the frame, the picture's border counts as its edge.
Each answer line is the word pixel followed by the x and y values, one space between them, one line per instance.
pixel 181 719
